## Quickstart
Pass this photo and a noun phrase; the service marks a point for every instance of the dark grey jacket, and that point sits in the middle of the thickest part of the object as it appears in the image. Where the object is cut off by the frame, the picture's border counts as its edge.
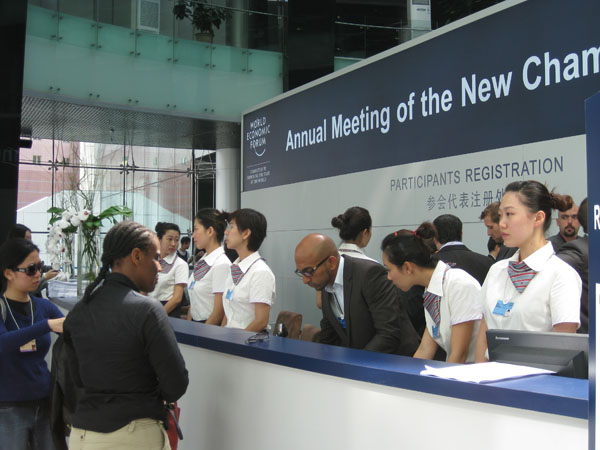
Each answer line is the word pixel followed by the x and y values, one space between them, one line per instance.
pixel 127 357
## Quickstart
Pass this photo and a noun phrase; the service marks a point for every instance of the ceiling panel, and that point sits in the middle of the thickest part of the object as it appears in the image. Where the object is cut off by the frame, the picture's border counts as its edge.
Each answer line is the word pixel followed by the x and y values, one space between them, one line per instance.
pixel 47 118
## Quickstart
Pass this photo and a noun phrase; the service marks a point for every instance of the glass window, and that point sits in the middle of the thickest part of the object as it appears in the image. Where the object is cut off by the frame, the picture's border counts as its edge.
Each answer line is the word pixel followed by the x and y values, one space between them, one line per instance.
pixel 156 183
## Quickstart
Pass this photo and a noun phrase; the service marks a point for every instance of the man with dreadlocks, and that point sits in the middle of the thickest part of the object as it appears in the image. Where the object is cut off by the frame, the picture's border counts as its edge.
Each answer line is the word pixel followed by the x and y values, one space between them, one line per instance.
pixel 127 359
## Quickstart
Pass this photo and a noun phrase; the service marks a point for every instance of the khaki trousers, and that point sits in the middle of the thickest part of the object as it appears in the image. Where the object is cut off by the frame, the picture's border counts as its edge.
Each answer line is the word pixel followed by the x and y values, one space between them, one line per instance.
pixel 142 434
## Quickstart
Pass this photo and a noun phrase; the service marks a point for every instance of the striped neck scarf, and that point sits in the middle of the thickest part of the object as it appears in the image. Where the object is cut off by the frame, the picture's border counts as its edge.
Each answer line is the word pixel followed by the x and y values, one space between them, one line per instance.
pixel 200 269
pixel 165 266
pixel 236 273
pixel 520 274
pixel 431 301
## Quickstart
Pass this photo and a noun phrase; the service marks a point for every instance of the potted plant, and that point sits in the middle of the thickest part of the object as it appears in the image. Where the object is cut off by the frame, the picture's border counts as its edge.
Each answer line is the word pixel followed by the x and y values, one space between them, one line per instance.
pixel 204 17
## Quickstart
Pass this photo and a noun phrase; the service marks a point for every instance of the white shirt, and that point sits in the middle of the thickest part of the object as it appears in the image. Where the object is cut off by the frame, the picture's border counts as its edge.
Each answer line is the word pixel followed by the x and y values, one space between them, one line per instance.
pixel 256 286
pixel 337 291
pixel 178 274
pixel 552 296
pixel 202 292
pixel 460 302
pixel 353 251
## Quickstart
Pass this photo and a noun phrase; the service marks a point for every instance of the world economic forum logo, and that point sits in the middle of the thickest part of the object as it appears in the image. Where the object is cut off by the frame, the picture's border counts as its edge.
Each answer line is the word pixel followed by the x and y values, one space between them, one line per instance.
pixel 256 137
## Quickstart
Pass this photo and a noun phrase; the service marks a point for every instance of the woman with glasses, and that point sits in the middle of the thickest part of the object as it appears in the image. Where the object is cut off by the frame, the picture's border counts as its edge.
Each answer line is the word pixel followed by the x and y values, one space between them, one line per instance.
pixel 173 276
pixel 207 283
pixel 451 299
pixel 250 286
pixel 25 326
pixel 534 290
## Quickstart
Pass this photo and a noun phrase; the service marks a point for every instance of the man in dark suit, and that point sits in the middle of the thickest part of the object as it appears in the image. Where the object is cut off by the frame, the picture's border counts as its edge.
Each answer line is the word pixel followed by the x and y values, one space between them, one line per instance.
pixel 361 307
pixel 451 250
pixel 576 254
pixel 491 219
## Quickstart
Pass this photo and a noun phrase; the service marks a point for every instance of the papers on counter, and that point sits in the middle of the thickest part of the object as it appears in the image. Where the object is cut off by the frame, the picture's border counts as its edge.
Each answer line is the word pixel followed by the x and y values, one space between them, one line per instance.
pixel 483 372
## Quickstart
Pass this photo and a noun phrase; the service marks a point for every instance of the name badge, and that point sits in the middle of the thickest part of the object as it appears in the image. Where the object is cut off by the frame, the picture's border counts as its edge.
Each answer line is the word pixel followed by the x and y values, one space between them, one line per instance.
pixel 435 331
pixel 29 347
pixel 192 284
pixel 229 294
pixel 503 309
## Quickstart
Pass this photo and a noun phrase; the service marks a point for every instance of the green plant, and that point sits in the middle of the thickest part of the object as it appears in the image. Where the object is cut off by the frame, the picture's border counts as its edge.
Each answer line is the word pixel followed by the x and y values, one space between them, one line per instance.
pixel 204 17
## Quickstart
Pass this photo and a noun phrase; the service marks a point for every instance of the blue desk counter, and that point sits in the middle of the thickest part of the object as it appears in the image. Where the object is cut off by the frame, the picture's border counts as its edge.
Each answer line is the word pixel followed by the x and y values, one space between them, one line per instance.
pixel 299 395
pixel 542 393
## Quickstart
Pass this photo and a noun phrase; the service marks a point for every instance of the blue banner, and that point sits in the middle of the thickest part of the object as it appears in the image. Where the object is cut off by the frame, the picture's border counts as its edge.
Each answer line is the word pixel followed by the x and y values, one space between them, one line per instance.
pixel 514 77
pixel 592 111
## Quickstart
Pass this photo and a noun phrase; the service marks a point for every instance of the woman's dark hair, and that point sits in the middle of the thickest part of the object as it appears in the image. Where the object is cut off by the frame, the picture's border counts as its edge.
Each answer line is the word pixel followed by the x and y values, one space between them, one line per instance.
pixel 161 228
pixel 417 246
pixel 210 217
pixel 12 253
pixel 17 231
pixel 536 197
pixel 119 242
pixel 352 222
pixel 250 219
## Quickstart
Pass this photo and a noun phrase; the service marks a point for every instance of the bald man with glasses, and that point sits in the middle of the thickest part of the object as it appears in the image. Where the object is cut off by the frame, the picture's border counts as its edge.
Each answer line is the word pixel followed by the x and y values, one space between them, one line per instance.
pixel 361 307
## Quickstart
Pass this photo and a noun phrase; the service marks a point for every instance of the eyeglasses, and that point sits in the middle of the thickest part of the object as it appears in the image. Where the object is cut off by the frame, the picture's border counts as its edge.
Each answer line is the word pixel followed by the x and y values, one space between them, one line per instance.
pixel 309 271
pixel 31 269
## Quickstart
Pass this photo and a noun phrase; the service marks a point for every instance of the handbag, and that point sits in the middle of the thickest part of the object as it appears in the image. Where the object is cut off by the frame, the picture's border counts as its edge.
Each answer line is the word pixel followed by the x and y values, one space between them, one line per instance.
pixel 173 430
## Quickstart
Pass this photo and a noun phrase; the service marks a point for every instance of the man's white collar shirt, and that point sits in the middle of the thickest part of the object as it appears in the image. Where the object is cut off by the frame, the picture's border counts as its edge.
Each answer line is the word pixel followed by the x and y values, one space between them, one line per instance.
pixel 337 291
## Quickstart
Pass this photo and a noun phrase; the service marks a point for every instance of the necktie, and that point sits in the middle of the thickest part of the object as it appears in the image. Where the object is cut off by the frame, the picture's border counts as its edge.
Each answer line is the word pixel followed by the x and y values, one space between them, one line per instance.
pixel 431 302
pixel 165 266
pixel 520 274
pixel 236 273
pixel 200 269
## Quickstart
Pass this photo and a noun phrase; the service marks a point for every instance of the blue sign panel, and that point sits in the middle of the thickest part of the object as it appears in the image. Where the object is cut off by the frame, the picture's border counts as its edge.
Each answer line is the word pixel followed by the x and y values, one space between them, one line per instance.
pixel 592 111
pixel 514 77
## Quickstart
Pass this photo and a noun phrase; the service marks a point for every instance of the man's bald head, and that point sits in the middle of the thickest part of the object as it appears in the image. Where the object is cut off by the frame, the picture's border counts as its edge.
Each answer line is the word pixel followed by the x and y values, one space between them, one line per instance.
pixel 317 250
pixel 317 245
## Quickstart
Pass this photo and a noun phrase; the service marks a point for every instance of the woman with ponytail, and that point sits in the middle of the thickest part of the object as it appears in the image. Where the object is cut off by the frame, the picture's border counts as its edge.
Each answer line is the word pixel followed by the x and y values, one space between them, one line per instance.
pixel 25 326
pixel 533 290
pixel 207 284
pixel 451 298
pixel 127 363
pixel 355 231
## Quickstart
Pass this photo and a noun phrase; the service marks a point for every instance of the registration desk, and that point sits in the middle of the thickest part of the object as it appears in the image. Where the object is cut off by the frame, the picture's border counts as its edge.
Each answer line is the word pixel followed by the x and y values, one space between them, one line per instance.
pixel 290 394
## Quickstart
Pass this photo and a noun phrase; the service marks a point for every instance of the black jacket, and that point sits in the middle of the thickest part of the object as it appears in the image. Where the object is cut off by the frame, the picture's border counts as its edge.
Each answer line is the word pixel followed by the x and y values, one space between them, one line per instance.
pixel 460 256
pixel 576 254
pixel 127 358
pixel 376 319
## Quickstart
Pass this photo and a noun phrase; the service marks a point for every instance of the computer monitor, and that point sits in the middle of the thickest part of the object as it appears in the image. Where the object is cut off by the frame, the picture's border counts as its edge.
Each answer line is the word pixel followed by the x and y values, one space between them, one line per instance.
pixel 564 353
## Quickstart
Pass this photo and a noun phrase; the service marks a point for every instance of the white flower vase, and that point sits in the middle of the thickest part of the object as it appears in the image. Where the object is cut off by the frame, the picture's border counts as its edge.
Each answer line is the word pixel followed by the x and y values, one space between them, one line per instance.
pixel 88 263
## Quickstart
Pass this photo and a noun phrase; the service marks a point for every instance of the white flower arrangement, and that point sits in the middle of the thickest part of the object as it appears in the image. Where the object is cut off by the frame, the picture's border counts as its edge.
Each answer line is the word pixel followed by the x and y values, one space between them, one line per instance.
pixel 65 223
